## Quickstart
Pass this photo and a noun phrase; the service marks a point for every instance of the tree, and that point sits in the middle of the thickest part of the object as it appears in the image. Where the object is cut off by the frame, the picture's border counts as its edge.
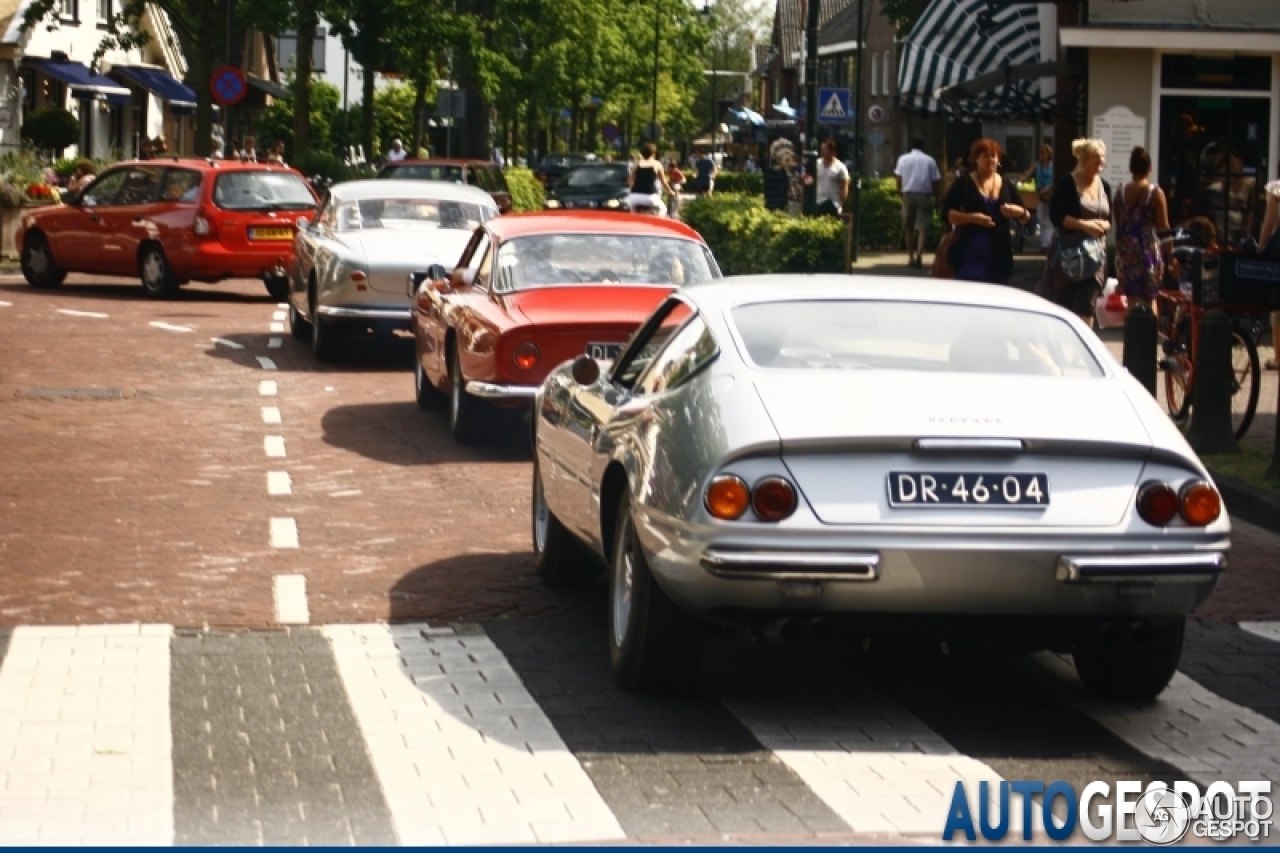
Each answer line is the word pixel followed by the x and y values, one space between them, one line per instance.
pixel 279 120
pixel 365 27
pixel 903 14
pixel 51 129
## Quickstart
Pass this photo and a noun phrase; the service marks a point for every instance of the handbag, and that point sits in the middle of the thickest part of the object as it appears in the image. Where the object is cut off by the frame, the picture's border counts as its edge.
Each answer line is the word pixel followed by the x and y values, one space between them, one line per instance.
pixel 941 266
pixel 1082 262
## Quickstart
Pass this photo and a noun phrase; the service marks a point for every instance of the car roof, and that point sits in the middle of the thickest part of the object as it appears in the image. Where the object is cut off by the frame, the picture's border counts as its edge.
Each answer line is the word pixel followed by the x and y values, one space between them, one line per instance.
pixel 391 188
pixel 207 164
pixel 586 222
pixel 437 161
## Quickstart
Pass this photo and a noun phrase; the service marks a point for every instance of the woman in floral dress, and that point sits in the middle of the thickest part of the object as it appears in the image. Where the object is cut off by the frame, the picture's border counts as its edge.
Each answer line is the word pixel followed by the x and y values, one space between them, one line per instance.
pixel 1141 213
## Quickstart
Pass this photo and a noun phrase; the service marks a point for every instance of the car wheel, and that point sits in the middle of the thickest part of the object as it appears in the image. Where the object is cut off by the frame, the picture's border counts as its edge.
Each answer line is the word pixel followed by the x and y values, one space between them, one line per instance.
pixel 464 421
pixel 326 338
pixel 277 287
pixel 558 558
pixel 158 279
pixel 653 645
pixel 1138 666
pixel 298 326
pixel 38 267
pixel 428 396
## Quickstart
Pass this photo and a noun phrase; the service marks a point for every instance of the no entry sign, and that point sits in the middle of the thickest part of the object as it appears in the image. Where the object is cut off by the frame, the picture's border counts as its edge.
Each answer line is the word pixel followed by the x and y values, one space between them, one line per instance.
pixel 228 85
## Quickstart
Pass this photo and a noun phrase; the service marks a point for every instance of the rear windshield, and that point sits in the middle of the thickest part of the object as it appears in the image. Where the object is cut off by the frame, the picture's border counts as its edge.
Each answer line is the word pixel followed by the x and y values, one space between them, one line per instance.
pixel 421 172
pixel 262 191
pixel 560 161
pixel 557 259
pixel 410 213
pixel 596 176
pixel 924 336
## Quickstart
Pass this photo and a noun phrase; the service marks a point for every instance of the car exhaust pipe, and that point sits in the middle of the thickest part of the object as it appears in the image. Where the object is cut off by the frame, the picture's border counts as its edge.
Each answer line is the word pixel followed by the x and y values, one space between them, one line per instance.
pixel 822 630
pixel 788 631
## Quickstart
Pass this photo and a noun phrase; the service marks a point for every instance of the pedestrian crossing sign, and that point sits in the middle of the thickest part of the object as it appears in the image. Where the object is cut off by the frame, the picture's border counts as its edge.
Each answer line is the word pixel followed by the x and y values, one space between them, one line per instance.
pixel 833 106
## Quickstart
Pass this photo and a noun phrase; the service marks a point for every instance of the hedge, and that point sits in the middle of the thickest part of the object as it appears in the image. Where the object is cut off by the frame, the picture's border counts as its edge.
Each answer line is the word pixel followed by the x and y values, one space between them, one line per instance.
pixel 746 238
pixel 527 191
pixel 749 183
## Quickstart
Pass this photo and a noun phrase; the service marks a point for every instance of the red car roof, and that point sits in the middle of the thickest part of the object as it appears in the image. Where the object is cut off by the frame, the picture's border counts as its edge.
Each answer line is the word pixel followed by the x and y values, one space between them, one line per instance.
pixel 591 222
pixel 208 164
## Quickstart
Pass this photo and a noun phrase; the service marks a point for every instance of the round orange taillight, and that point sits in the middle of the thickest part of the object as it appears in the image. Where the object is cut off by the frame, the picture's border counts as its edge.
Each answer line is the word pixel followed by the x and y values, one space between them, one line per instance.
pixel 1157 503
pixel 727 497
pixel 526 355
pixel 773 499
pixel 1199 503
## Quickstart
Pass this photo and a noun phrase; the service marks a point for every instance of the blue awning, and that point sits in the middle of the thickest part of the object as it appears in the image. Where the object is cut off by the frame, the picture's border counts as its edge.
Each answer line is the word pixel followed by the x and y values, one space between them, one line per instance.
pixel 83 83
pixel 747 116
pixel 162 84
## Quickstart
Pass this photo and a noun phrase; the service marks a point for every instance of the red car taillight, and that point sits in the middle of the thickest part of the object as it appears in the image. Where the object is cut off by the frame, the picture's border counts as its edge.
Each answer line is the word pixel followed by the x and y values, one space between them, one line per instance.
pixel 773 499
pixel 1158 503
pixel 526 355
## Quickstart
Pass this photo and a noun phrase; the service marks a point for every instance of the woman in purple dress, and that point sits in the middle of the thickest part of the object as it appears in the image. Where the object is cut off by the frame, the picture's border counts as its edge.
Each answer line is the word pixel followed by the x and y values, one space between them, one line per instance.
pixel 1141 213
pixel 979 207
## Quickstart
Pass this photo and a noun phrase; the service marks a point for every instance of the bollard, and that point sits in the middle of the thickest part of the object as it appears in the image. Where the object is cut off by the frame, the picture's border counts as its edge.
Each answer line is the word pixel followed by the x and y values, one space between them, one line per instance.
pixel 1140 341
pixel 1211 430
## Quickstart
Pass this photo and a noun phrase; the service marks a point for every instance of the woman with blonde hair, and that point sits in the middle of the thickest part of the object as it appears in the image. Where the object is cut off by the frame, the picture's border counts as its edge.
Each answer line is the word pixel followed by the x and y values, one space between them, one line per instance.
pixel 1080 210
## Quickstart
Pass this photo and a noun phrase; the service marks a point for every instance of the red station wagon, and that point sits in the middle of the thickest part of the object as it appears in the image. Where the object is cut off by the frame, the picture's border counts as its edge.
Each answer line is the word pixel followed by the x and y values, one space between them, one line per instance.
pixel 170 222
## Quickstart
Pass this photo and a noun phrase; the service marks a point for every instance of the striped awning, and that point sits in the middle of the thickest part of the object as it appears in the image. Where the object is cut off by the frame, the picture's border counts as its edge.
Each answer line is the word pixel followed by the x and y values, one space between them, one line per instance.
pixel 957 40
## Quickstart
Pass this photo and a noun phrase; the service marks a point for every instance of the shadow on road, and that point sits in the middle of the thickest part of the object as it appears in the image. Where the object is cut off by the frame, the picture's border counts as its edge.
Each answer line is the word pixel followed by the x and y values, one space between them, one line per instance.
pixel 365 354
pixel 131 291
pixel 402 434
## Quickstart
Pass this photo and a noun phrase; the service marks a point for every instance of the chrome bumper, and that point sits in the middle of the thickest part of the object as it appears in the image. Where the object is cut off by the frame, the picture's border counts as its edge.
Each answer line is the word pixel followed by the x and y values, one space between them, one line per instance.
pixel 365 313
pixel 792 565
pixel 1115 568
pixel 490 391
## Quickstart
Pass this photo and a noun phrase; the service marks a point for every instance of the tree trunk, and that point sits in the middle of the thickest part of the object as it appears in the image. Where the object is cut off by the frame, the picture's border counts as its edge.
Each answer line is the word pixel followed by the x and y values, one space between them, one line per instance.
pixel 201 70
pixel 531 130
pixel 419 113
pixel 307 23
pixel 366 111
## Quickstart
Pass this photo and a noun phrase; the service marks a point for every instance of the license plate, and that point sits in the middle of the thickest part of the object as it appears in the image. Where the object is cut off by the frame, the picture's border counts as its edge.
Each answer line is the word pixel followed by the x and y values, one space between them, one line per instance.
pixel 976 489
pixel 604 352
pixel 270 233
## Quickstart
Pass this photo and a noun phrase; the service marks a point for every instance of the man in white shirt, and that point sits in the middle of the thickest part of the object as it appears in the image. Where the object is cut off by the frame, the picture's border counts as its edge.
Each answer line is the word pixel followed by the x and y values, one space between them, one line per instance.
pixel 397 152
pixel 918 181
pixel 833 181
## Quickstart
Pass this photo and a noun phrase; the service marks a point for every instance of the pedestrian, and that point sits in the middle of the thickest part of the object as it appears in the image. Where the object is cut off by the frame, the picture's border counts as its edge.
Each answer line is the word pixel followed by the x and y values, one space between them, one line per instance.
pixel 84 175
pixel 675 178
pixel 704 179
pixel 750 167
pixel 249 154
pixel 978 206
pixel 1270 242
pixel 646 177
pixel 832 181
pixel 397 152
pixel 144 149
pixel 918 180
pixel 1041 172
pixel 1080 209
pixel 159 147
pixel 1141 212
pixel 275 154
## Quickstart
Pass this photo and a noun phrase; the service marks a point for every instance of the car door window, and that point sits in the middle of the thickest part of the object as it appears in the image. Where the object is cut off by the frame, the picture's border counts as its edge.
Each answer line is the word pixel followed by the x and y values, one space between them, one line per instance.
pixel 478 250
pixel 102 192
pixel 477 178
pixel 649 341
pixel 181 186
pixel 687 351
pixel 485 268
pixel 497 180
pixel 141 186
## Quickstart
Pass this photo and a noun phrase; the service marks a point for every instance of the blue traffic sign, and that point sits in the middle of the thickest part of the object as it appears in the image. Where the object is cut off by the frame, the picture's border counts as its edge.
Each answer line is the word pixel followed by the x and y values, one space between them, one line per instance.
pixel 229 85
pixel 833 106
pixel 609 131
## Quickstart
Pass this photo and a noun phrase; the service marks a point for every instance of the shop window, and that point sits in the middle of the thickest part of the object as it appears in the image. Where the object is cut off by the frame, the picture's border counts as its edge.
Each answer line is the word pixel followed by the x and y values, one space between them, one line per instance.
pixel 1220 73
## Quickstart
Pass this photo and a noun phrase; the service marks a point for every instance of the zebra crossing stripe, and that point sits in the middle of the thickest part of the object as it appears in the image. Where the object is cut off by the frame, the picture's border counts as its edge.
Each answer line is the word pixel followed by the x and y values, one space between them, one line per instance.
pixel 464 753
pixel 85 743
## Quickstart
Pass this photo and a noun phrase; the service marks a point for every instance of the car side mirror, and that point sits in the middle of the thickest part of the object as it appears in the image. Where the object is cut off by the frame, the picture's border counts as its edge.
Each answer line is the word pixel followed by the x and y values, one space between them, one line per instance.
pixel 461 278
pixel 437 272
pixel 585 370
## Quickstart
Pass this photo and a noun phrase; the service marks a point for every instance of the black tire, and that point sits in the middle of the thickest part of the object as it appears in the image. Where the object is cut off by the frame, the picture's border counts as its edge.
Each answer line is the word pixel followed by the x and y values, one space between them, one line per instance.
pixel 38 267
pixel 1246 371
pixel 1136 667
pixel 157 276
pixel 558 557
pixel 326 338
pixel 277 287
pixel 464 414
pixel 429 397
pixel 653 645
pixel 298 325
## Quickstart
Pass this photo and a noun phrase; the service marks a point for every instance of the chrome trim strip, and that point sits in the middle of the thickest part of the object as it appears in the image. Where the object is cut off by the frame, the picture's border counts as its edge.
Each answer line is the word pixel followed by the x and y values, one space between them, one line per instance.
pixel 1110 568
pixel 793 565
pixel 490 391
pixel 366 313
pixel 1002 444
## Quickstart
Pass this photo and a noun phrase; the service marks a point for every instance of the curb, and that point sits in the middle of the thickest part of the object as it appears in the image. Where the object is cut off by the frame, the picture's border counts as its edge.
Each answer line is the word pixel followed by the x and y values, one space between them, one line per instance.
pixel 1249 502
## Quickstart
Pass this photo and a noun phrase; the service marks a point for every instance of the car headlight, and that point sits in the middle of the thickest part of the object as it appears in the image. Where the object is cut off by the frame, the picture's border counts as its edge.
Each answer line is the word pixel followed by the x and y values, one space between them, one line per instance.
pixel 614 203
pixel 551 204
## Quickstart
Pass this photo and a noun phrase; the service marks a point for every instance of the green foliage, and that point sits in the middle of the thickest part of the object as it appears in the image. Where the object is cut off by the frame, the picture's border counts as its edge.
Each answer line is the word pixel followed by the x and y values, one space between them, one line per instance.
pixel 322 163
pixel 527 191
pixel 747 183
pixel 393 117
pixel 51 129
pixel 276 121
pixel 881 225
pixel 746 238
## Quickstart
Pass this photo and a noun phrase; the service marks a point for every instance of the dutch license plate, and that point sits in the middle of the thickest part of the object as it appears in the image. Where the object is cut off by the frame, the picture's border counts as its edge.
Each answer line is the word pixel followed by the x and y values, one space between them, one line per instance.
pixel 976 489
pixel 604 352
pixel 270 233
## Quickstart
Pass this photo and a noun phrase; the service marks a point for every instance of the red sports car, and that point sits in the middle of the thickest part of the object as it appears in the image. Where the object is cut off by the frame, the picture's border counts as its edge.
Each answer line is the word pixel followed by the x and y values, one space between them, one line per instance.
pixel 534 290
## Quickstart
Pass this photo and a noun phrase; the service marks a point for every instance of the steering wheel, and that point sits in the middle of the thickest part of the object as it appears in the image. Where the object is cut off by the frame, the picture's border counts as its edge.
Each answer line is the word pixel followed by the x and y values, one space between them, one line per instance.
pixel 608 275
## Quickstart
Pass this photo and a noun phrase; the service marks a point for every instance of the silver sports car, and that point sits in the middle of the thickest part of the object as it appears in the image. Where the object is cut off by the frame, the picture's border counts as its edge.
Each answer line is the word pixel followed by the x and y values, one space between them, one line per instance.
pixel 351 266
pixel 810 455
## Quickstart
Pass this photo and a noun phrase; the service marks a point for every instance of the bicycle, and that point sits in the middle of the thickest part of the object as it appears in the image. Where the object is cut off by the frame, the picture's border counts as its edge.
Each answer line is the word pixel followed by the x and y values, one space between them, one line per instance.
pixel 1214 281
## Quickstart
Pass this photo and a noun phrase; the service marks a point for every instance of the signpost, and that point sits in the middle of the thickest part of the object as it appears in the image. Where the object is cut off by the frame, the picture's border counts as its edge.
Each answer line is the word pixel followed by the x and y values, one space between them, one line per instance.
pixel 228 85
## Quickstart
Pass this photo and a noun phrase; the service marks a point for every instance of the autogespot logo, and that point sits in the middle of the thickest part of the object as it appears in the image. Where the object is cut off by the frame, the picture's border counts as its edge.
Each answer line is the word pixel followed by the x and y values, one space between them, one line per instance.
pixel 1159 814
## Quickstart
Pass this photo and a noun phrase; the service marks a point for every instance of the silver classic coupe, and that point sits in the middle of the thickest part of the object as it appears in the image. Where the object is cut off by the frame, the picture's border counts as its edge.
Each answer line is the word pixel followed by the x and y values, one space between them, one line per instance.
pixel 351 266
pixel 814 455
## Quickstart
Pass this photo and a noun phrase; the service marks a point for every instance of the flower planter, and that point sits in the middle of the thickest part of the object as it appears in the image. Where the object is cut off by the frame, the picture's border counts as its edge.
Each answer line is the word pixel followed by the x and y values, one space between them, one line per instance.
pixel 10 219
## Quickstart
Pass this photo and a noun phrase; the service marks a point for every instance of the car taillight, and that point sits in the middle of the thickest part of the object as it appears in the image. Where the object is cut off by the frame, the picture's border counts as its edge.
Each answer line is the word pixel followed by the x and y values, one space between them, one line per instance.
pixel 773 499
pixel 1199 503
pixel 1158 503
pixel 526 355
pixel 358 276
pixel 203 225
pixel 727 497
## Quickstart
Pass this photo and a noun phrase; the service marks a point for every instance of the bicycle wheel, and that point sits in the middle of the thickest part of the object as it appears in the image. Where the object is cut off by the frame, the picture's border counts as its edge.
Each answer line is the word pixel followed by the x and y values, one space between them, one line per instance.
pixel 1179 369
pixel 1246 380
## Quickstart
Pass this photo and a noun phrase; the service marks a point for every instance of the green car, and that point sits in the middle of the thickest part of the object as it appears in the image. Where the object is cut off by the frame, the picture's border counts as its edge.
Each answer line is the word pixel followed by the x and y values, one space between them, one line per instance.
pixel 599 186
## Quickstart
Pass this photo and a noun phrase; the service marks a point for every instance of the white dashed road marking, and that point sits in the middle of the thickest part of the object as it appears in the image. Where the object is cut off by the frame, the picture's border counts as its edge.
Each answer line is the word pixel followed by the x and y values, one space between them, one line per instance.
pixel 270 415
pixel 1267 630
pixel 267 388
pixel 464 753
pixel 282 305
pixel 277 327
pixel 226 343
pixel 278 316
pixel 274 446
pixel 349 493
pixel 279 483
pixel 85 739
pixel 284 533
pixel 4 304
pixel 290 593
pixel 267 364
pixel 169 327
pixel 73 313
pixel 273 343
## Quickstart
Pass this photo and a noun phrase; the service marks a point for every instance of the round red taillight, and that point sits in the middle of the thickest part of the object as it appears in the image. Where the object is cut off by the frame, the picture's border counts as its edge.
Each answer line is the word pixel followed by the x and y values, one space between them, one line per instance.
pixel 727 497
pixel 358 276
pixel 526 356
pixel 1157 503
pixel 1199 503
pixel 773 499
